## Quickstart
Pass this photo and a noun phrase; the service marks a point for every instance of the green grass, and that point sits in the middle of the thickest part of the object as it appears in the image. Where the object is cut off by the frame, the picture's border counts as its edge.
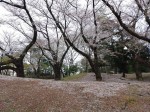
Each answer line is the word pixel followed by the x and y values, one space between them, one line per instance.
pixel 74 77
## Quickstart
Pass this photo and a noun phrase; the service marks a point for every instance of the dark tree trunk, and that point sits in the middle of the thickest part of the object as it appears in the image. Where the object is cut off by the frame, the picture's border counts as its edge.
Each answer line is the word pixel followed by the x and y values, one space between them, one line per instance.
pixel 57 72
pixel 96 69
pixel 19 68
pixel 124 70
pixel 139 76
pixel 124 75
pixel 38 72
pixel 138 72
pixel 97 73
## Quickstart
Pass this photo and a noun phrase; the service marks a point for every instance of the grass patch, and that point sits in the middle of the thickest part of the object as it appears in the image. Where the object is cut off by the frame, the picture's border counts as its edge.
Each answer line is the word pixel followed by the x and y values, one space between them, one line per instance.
pixel 74 77
pixel 130 99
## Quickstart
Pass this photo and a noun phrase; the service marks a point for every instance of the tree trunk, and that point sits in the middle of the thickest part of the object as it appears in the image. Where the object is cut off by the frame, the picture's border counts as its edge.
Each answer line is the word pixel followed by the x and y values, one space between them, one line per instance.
pixel 139 76
pixel 38 72
pixel 95 68
pixel 97 73
pixel 124 74
pixel 57 72
pixel 19 68
pixel 123 70
pixel 138 71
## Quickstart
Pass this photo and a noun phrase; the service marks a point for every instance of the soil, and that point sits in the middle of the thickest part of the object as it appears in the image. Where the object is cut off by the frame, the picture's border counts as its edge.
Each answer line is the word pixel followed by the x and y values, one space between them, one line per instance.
pixel 113 94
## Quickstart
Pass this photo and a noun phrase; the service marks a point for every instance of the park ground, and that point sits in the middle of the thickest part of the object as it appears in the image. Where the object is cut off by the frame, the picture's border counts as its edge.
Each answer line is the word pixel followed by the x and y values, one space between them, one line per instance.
pixel 84 94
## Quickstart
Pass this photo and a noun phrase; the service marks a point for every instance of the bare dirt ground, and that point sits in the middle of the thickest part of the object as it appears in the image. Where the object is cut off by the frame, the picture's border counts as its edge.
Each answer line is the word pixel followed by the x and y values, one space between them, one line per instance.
pixel 85 95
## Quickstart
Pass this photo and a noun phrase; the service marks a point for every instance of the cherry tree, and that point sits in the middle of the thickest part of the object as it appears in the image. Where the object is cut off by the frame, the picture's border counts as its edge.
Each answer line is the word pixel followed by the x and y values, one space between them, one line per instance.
pixel 54 49
pixel 87 23
pixel 53 45
pixel 20 16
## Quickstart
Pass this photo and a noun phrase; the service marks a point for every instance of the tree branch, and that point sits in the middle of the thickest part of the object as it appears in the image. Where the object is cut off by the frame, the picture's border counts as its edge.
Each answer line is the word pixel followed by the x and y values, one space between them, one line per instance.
pixel 118 16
